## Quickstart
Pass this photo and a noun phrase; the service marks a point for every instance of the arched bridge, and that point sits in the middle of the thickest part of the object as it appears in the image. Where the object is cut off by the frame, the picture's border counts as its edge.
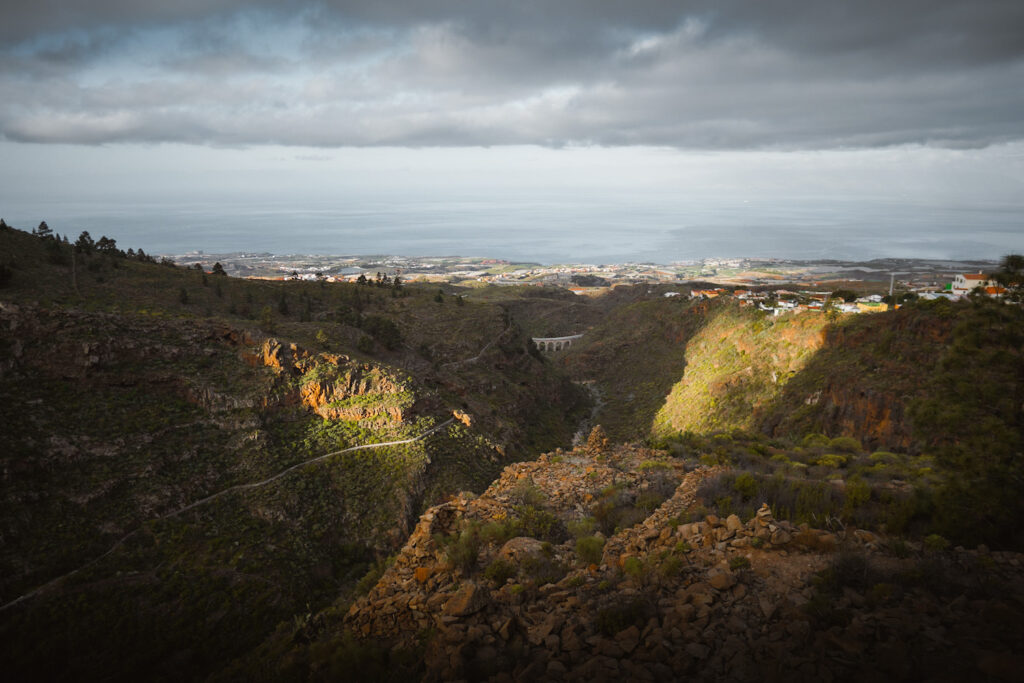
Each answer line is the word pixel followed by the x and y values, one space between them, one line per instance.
pixel 555 343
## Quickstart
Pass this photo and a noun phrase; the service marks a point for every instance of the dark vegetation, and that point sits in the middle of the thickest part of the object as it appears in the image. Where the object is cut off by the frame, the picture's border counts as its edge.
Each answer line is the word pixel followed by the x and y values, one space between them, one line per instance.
pixel 822 482
pixel 128 389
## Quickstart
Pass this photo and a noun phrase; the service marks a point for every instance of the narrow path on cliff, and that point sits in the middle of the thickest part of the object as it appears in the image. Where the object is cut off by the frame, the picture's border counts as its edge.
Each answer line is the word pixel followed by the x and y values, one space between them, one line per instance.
pixel 202 501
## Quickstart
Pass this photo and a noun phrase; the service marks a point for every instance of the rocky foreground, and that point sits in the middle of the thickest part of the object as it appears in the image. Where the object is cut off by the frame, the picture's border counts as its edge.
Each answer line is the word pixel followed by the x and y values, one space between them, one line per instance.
pixel 672 597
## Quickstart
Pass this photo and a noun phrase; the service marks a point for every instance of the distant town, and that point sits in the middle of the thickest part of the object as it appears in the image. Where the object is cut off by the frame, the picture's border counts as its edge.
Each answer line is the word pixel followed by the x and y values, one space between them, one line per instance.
pixel 866 285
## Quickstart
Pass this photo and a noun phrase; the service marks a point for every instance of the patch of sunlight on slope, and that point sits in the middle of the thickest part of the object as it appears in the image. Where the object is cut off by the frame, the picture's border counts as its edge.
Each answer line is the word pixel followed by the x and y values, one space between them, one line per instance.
pixel 739 361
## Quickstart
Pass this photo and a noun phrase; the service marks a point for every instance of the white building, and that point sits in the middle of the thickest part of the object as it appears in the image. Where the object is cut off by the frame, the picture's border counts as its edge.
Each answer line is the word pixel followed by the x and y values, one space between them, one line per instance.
pixel 967 282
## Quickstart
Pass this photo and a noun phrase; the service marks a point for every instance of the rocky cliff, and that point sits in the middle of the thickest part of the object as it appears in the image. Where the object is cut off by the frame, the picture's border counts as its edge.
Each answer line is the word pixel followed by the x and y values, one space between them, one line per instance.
pixel 863 378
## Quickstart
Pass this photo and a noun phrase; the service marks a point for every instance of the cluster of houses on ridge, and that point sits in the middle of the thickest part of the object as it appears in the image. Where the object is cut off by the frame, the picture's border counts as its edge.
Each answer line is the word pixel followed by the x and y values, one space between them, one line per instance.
pixel 781 301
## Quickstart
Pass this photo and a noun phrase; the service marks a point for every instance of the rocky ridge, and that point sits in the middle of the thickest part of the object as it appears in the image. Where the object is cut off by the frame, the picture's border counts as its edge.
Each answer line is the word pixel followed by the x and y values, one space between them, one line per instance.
pixel 709 599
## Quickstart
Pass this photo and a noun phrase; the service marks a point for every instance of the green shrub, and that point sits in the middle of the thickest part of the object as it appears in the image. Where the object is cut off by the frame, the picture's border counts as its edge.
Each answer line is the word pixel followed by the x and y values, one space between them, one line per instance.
pixel 499 532
pixel 815 441
pixel 500 571
pixel 831 460
pixel 539 524
pixel 845 444
pixel 634 568
pixel 462 548
pixel 383 330
pixel 936 543
pixel 542 570
pixel 898 547
pixel 582 527
pixel 724 505
pixel 649 501
pixel 589 549
pixel 739 562
pixel 670 566
pixel 745 485
pixel 526 492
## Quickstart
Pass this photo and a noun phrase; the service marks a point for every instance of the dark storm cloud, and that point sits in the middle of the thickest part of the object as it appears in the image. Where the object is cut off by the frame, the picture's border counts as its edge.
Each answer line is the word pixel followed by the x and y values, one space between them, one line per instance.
pixel 788 74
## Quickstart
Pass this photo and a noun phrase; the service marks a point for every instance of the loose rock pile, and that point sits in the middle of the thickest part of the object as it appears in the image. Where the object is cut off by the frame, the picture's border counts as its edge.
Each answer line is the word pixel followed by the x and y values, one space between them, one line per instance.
pixel 712 599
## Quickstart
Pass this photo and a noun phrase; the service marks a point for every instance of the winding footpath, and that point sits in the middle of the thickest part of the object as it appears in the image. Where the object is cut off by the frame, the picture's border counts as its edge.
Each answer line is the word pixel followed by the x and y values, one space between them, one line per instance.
pixel 482 351
pixel 202 501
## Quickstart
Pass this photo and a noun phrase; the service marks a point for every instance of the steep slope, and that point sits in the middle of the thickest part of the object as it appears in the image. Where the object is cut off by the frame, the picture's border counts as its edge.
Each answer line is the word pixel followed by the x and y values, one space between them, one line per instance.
pixel 938 381
pixel 106 440
pixel 157 514
pixel 865 375
pixel 738 362
pixel 634 356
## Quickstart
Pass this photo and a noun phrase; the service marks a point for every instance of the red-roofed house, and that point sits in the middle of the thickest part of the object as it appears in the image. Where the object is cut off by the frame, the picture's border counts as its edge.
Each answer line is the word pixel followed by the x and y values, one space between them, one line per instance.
pixel 966 282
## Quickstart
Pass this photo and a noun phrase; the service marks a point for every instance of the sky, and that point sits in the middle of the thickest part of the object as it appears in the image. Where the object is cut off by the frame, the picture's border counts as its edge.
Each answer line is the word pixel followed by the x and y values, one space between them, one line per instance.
pixel 616 130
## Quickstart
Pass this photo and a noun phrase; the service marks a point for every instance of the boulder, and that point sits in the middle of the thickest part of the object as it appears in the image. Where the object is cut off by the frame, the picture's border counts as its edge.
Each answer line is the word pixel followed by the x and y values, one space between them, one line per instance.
pixel 519 548
pixel 468 599
pixel 721 579
pixel 628 639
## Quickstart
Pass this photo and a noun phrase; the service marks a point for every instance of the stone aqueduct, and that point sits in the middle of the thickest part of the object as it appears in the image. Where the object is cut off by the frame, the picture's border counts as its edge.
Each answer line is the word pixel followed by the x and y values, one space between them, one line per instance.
pixel 555 343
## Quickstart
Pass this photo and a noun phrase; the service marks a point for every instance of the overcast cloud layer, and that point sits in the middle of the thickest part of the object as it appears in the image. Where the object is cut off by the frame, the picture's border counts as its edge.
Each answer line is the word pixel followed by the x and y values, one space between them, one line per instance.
pixel 793 74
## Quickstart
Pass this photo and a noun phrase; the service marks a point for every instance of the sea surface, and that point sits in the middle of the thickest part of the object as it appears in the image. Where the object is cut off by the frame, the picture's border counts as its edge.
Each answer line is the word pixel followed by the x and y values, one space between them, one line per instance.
pixel 545 230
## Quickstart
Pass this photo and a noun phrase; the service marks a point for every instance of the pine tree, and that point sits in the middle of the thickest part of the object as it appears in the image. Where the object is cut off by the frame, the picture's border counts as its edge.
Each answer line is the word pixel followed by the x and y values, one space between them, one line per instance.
pixel 105 245
pixel 85 243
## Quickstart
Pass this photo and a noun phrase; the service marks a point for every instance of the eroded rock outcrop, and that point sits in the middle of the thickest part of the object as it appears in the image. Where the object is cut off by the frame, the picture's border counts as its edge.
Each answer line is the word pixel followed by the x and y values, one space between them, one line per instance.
pixel 335 386
pixel 673 597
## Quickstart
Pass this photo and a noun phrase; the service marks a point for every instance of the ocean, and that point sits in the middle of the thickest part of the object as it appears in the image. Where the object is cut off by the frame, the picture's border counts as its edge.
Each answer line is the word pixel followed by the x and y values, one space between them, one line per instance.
pixel 657 228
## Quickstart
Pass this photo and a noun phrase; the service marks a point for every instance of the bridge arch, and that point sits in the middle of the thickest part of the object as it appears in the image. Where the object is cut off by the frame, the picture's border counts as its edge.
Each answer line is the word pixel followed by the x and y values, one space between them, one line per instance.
pixel 552 344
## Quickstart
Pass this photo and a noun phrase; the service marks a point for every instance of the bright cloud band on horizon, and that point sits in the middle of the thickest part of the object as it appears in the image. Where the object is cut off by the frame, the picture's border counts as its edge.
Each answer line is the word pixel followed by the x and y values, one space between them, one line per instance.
pixel 793 75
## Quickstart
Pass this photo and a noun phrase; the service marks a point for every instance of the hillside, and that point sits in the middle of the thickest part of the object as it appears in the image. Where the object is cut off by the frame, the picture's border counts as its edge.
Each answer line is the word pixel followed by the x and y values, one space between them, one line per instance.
pixel 130 390
pixel 207 477
pixel 737 363
pixel 530 581
pixel 933 384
